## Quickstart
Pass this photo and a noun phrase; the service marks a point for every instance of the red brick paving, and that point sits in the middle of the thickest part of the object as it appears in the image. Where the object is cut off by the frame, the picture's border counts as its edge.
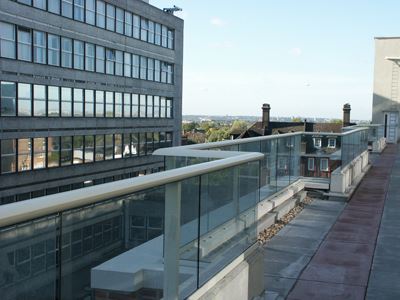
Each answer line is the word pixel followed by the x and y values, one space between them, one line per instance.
pixel 340 268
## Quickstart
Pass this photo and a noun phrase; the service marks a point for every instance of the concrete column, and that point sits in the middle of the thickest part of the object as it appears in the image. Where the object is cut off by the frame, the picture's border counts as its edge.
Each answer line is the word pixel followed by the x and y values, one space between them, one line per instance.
pixel 171 240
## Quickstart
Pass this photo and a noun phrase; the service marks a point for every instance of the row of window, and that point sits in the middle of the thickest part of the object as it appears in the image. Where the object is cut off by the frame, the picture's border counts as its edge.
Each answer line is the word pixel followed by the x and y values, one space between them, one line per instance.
pixel 323 164
pixel 74 186
pixel 19 155
pixel 318 143
pixel 110 17
pixel 25 44
pixel 26 100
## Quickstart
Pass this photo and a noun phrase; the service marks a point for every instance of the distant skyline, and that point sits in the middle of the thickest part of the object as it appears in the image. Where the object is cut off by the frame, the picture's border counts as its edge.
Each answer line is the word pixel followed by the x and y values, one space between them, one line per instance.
pixel 305 58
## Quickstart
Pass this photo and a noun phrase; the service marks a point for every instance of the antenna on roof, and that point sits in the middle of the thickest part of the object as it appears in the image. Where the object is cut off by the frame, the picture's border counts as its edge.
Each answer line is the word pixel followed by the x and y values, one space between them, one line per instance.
pixel 172 9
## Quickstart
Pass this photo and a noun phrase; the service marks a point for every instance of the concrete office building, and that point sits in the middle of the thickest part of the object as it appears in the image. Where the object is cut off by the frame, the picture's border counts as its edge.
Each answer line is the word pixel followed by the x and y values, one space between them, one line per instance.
pixel 386 98
pixel 89 89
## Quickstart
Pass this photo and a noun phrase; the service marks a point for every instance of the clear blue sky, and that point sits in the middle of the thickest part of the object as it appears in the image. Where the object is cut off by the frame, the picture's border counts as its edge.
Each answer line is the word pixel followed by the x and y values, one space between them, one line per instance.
pixel 306 58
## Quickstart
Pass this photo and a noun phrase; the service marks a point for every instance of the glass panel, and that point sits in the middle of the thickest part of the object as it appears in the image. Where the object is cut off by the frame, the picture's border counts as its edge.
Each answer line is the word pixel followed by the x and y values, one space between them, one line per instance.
pixel 120 20
pixel 170 39
pixel 8 156
pixel 156 105
pixel 32 256
pixel 157 70
pixel 53 152
pixel 54 6
pixel 142 106
pixel 89 103
pixel 157 34
pixel 117 146
pixel 53 51
pixel 149 106
pixel 40 4
pixel 78 149
pixel 53 109
pixel 39 153
pixel 39 47
pixel 24 99
pixel 119 63
pixel 127 65
pixel 89 57
pixel 100 14
pixel 78 55
pixel 143 29
pixel 89 148
pixel 109 104
pixel 150 37
pixel 8 98
pixel 135 105
pixel 90 11
pixel 283 163
pixel 164 36
pixel 99 147
pixel 109 146
pixel 66 150
pixel 66 8
pixel 66 102
pixel 99 104
pixel 24 155
pixel 110 20
pixel 110 61
pixel 100 59
pixel 150 69
pixel 134 144
pixel 136 26
pixel 128 23
pixel 118 105
pixel 135 66
pixel 66 52
pixel 24 44
pixel 143 67
pixel 39 100
pixel 127 105
pixel 79 10
pixel 7 40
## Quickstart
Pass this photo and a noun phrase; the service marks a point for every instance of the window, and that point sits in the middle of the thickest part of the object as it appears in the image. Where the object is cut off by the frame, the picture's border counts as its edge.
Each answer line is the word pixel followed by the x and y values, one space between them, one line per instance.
pixel 24 155
pixel 169 108
pixel 66 52
pixel 90 11
pixel 40 4
pixel 99 104
pixel 126 145
pixel 143 29
pixel 39 100
pixel 66 150
pixel 109 104
pixel 78 55
pixel 89 57
pixel 134 144
pixel 110 20
pixel 142 113
pixel 149 142
pixel 119 63
pixel 117 146
pixel 78 150
pixel 143 67
pixel 39 47
pixel 8 156
pixel 150 37
pixel 53 51
pixel 170 74
pixel 168 141
pixel 164 36
pixel 79 9
pixel 24 100
pixel 142 143
pixel 149 113
pixel 89 148
pixel 163 105
pixel 156 140
pixel 39 153
pixel 127 64
pixel 128 23
pixel 120 20
pixel 164 70
pixel 110 61
pixel 118 105
pixel 99 147
pixel 317 142
pixel 101 14
pixel 324 164
pixel 150 69
pixel 156 105
pixel 54 6
pixel 66 8
pixel 7 40
pixel 78 103
pixel 109 147
pixel 310 164
pixel 53 105
pixel 136 26
pixel 135 106
pixel 89 103
pixel 100 59
pixel 24 44
pixel 127 105
pixel 331 143
pixel 53 152
pixel 157 70
pixel 8 99
pixel 170 39
pixel 135 66
pixel 157 39
pixel 66 102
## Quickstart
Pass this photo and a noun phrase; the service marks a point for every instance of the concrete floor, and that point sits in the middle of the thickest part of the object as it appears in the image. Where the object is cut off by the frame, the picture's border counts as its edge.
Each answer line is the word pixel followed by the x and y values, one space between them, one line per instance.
pixel 333 250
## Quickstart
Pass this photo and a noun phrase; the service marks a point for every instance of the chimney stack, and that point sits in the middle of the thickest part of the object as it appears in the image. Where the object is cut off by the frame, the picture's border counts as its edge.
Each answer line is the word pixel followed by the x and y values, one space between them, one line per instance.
pixel 346 114
pixel 265 116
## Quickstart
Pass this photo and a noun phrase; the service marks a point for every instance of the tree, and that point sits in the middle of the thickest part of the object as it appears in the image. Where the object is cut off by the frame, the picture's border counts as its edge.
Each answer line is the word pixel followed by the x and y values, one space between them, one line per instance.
pixel 296 119
pixel 189 126
pixel 238 126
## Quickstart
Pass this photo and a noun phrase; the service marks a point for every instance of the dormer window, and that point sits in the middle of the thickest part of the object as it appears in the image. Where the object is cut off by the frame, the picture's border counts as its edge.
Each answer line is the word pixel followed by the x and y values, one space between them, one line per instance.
pixel 331 143
pixel 317 142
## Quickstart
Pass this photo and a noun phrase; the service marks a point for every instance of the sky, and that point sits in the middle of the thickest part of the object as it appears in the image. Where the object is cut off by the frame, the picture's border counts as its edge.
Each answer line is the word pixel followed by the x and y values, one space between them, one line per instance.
pixel 304 57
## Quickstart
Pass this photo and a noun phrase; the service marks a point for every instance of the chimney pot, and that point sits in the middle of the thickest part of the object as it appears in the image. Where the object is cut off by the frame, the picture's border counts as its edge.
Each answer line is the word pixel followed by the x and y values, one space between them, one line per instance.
pixel 266 108
pixel 346 114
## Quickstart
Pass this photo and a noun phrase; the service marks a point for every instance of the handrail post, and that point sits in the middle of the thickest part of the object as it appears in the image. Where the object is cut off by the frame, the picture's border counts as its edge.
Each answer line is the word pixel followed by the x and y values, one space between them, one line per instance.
pixel 172 240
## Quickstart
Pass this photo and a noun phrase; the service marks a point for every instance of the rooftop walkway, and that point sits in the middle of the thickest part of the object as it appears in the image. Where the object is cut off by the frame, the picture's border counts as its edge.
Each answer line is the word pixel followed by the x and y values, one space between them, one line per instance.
pixel 333 250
